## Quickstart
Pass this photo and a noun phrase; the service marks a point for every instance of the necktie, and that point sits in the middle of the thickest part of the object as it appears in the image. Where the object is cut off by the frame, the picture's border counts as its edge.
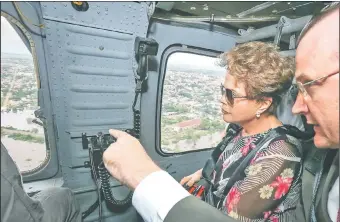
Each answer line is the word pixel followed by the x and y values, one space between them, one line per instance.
pixel 315 188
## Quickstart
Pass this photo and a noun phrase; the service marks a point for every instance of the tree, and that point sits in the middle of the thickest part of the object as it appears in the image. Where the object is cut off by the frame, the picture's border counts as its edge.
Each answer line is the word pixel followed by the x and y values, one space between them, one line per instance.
pixel 205 124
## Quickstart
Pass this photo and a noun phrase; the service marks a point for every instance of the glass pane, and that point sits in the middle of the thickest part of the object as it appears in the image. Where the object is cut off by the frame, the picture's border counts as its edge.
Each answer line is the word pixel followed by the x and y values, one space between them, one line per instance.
pixel 21 133
pixel 191 116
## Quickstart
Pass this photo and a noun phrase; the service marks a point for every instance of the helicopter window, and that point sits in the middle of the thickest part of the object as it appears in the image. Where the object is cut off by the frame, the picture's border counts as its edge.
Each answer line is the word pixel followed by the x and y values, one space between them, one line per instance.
pixel 191 118
pixel 21 133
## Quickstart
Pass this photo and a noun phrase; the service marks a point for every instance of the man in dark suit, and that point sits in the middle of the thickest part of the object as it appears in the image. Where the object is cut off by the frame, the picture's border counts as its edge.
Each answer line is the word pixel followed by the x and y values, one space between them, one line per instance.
pixel 317 57
pixel 317 75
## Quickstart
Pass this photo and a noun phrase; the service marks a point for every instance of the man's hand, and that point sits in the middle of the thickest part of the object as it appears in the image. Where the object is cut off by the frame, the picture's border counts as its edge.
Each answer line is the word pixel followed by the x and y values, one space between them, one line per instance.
pixel 127 161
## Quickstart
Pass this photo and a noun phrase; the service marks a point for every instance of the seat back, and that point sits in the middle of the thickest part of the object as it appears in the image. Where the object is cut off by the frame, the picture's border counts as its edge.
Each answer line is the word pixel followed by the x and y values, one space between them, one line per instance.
pixel 284 112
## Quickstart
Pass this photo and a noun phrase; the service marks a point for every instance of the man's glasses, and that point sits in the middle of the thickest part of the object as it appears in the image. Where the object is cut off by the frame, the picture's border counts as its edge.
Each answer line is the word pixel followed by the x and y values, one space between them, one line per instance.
pixel 229 94
pixel 301 87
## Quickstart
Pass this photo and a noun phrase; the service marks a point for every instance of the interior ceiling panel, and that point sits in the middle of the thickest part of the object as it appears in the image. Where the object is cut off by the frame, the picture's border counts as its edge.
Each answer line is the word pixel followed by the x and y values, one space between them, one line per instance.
pixel 234 8
pixel 291 9
pixel 217 8
pixel 245 10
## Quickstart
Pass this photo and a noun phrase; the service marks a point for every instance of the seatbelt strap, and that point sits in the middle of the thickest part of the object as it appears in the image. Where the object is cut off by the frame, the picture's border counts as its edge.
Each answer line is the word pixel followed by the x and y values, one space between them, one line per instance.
pixel 209 166
pixel 239 171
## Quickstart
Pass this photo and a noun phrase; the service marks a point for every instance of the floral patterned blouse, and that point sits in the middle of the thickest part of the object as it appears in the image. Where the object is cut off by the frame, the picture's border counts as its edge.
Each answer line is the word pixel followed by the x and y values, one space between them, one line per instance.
pixel 270 189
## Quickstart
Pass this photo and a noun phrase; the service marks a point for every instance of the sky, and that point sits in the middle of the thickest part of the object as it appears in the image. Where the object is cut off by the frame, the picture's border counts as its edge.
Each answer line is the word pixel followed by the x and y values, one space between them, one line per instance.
pixel 10 40
pixel 199 61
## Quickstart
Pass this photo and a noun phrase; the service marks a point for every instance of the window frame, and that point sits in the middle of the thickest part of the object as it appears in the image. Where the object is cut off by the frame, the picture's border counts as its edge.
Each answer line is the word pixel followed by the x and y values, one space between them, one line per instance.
pixel 49 168
pixel 163 68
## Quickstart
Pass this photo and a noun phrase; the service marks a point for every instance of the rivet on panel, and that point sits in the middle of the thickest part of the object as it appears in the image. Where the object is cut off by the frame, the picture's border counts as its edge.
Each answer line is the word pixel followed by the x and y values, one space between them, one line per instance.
pixel 101 48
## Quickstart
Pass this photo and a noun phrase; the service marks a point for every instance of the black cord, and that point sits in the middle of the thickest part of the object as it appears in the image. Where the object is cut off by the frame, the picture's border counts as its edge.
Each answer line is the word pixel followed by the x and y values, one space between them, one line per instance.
pixel 118 205
pixel 98 187
pixel 90 210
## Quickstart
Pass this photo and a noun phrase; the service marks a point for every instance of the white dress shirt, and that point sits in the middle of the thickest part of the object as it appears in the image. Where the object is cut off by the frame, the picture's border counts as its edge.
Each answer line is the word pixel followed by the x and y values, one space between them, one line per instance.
pixel 333 201
pixel 156 195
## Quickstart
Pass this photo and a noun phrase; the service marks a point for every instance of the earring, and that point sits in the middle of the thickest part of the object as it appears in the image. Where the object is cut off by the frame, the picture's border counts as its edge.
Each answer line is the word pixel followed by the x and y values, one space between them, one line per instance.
pixel 258 114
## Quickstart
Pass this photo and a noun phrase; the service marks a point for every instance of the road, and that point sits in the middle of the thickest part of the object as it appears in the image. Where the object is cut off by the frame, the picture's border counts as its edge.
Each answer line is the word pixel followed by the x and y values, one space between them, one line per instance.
pixel 9 93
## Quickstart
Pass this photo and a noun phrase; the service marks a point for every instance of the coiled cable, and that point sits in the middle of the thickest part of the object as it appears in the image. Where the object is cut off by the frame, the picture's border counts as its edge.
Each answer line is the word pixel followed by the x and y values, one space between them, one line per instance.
pixel 136 123
pixel 117 205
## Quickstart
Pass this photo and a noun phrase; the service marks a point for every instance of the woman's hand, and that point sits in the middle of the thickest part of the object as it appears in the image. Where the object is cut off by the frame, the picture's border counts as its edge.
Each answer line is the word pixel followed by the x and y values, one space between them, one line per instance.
pixel 192 179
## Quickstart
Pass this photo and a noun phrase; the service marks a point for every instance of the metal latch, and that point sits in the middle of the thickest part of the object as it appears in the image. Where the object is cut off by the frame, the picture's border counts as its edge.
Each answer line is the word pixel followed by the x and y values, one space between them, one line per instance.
pixel 279 28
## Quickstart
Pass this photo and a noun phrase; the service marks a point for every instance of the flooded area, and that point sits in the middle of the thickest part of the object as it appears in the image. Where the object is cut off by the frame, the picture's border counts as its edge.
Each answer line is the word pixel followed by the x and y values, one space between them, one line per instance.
pixel 27 155
pixel 21 120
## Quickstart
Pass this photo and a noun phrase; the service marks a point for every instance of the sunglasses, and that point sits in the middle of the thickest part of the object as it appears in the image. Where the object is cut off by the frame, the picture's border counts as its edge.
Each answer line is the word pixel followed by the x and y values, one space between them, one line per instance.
pixel 230 95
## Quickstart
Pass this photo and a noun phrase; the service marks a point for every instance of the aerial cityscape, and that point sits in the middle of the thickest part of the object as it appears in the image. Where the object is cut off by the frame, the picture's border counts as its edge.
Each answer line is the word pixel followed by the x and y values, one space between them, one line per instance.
pixel 191 116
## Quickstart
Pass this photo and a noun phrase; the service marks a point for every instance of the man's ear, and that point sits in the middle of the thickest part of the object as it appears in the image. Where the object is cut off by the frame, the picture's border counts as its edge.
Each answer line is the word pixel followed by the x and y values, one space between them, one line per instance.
pixel 265 103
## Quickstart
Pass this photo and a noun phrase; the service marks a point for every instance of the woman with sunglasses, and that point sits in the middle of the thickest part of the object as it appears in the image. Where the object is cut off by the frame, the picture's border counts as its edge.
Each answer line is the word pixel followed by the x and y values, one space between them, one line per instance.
pixel 268 186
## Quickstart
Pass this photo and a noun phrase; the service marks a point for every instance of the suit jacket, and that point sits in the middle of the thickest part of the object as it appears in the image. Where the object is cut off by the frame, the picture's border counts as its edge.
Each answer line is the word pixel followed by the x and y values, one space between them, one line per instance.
pixel 327 183
pixel 330 173
pixel 15 203
pixel 193 209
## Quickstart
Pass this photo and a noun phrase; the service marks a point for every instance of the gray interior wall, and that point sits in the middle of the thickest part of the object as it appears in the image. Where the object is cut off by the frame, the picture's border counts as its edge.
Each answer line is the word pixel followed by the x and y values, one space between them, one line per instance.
pixel 86 64
pixel 91 58
pixel 92 74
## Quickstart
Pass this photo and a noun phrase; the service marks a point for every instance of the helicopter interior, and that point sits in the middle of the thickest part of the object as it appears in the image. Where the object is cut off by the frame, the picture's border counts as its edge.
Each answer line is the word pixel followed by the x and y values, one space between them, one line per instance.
pixel 132 66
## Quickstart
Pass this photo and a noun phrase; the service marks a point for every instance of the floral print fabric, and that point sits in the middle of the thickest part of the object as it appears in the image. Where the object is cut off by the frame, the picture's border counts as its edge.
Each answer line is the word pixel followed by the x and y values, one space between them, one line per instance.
pixel 270 188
